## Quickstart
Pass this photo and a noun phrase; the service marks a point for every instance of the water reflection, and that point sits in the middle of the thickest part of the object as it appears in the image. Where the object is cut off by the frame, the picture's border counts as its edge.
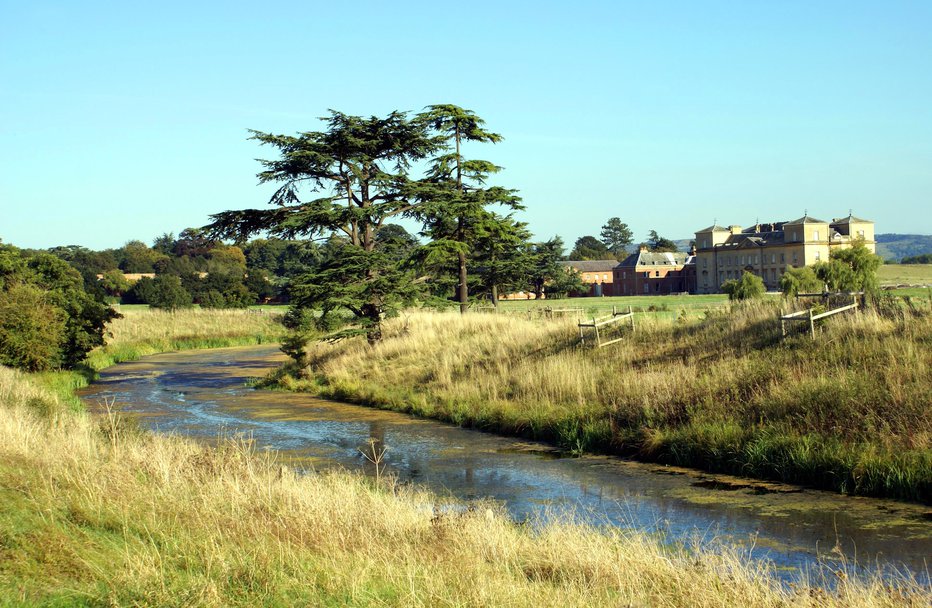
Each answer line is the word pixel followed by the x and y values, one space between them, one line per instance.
pixel 204 393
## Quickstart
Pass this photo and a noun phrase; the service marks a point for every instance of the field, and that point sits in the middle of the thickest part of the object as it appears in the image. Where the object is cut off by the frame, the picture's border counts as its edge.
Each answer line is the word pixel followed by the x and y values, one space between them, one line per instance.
pixel 905 274
pixel 671 306
pixel 849 411
pixel 144 331
pixel 96 513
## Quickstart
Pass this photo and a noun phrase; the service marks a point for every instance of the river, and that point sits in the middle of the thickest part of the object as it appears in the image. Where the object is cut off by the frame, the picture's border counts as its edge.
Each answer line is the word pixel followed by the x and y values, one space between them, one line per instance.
pixel 204 394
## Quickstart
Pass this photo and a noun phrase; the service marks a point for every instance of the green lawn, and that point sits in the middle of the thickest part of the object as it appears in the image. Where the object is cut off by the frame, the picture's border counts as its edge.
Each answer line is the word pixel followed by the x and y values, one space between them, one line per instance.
pixel 661 306
pixel 905 274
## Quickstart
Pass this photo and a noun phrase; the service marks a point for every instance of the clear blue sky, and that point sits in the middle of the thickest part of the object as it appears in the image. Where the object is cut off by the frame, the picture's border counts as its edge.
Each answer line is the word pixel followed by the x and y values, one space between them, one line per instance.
pixel 125 120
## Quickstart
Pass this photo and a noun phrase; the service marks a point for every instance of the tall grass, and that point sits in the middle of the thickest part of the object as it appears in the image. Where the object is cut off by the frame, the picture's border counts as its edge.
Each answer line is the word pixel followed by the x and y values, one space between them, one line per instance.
pixel 92 513
pixel 146 331
pixel 849 411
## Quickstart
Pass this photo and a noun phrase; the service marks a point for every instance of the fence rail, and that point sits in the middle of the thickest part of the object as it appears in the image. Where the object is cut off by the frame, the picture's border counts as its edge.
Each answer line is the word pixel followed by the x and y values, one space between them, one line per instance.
pixel 807 316
pixel 617 317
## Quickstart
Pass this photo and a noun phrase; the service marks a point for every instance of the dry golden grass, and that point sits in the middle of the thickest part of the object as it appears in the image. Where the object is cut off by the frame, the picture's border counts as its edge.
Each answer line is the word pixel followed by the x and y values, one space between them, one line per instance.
pixel 146 331
pixel 722 393
pixel 92 513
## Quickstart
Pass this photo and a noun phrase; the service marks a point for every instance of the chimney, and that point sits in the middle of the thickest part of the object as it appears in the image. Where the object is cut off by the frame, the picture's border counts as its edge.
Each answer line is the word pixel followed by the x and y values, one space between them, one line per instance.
pixel 735 229
pixel 643 248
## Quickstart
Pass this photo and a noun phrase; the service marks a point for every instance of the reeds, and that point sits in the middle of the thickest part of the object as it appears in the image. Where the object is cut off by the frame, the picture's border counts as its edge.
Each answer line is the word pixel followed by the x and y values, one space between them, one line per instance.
pixel 117 517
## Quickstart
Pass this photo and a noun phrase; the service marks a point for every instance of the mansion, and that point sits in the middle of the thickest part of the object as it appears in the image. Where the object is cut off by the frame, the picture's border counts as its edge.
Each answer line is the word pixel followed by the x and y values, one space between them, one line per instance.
pixel 768 250
pixel 722 254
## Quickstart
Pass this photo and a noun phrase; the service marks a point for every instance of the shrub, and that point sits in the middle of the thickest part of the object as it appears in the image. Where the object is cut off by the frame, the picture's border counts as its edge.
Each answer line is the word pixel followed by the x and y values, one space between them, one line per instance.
pixel 49 320
pixel 31 329
pixel 748 287
pixel 168 293
pixel 800 280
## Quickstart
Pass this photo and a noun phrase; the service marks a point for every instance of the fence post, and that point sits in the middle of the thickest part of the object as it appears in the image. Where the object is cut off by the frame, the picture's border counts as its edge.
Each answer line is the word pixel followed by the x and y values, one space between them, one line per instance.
pixel 811 325
pixel 782 323
pixel 598 340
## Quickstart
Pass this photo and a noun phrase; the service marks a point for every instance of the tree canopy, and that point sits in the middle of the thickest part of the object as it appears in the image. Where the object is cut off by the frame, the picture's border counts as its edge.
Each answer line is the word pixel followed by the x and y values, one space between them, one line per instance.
pixel 455 196
pixel 616 236
pixel 590 248
pixel 47 319
pixel 657 243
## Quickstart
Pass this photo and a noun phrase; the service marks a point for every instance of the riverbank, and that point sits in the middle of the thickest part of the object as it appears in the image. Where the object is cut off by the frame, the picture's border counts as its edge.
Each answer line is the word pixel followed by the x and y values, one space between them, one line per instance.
pixel 145 331
pixel 94 512
pixel 848 412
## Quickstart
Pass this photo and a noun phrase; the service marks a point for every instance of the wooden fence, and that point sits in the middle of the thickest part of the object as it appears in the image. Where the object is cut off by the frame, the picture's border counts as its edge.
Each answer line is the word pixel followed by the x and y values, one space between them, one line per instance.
pixel 808 316
pixel 616 318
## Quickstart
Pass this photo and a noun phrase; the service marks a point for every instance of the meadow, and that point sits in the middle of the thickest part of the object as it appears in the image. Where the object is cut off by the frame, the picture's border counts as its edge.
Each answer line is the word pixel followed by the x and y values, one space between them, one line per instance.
pixel 905 274
pixel 143 331
pixel 94 512
pixel 849 411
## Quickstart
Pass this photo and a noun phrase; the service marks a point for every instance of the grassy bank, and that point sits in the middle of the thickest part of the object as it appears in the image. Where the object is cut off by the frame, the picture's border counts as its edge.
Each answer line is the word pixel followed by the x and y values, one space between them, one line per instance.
pixel 849 411
pixel 93 513
pixel 143 331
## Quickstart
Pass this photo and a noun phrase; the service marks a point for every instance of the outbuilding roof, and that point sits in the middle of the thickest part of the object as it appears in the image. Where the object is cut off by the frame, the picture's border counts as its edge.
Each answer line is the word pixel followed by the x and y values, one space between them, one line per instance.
pixel 655 258
pixel 591 265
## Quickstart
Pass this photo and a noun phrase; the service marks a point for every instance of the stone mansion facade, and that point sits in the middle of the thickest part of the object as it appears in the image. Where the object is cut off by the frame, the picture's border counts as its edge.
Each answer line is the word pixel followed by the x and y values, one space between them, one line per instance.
pixel 768 250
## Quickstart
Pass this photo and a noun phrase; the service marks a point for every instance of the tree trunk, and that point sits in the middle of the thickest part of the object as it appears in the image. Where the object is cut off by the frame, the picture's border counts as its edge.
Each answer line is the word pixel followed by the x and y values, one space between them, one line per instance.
pixel 463 288
pixel 373 315
pixel 495 296
pixel 461 234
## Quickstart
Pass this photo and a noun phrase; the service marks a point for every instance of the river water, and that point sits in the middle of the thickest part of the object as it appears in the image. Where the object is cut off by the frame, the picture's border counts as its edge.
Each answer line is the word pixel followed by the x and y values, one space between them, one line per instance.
pixel 204 394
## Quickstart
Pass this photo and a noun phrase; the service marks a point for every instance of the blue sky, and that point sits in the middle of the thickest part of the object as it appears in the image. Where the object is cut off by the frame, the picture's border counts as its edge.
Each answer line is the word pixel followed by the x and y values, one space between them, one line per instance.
pixel 120 121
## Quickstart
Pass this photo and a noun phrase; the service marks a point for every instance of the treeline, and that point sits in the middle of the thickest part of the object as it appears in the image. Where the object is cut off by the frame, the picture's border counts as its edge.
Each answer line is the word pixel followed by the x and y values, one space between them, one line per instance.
pixel 614 243
pixel 196 269
pixel 925 258
pixel 47 319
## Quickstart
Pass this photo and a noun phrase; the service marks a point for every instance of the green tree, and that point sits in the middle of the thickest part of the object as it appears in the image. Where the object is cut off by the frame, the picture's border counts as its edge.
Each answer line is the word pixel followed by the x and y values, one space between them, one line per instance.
pixel 164 244
pixel 168 293
pixel 658 243
pixel 800 280
pixel 546 268
pixel 502 258
pixel 590 248
pixel 138 258
pixel 564 282
pixel 32 329
pixel 63 297
pixel 358 170
pixel 748 287
pixel 396 242
pixel 114 283
pixel 455 195
pixel 616 236
pixel 850 269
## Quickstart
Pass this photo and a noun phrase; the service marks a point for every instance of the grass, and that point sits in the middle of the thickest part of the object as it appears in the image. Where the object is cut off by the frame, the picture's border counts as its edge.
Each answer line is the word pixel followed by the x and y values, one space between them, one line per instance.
pixel 143 331
pixel 94 513
pixel 849 411
pixel 668 306
pixel 905 274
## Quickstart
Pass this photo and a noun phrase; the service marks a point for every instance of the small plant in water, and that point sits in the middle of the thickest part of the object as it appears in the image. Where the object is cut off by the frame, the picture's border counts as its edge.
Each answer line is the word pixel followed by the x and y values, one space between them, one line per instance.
pixel 376 455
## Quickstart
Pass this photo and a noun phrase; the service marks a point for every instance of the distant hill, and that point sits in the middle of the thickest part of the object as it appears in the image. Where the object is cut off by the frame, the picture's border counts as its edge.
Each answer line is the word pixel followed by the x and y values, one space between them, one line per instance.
pixel 898 246
pixel 889 246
